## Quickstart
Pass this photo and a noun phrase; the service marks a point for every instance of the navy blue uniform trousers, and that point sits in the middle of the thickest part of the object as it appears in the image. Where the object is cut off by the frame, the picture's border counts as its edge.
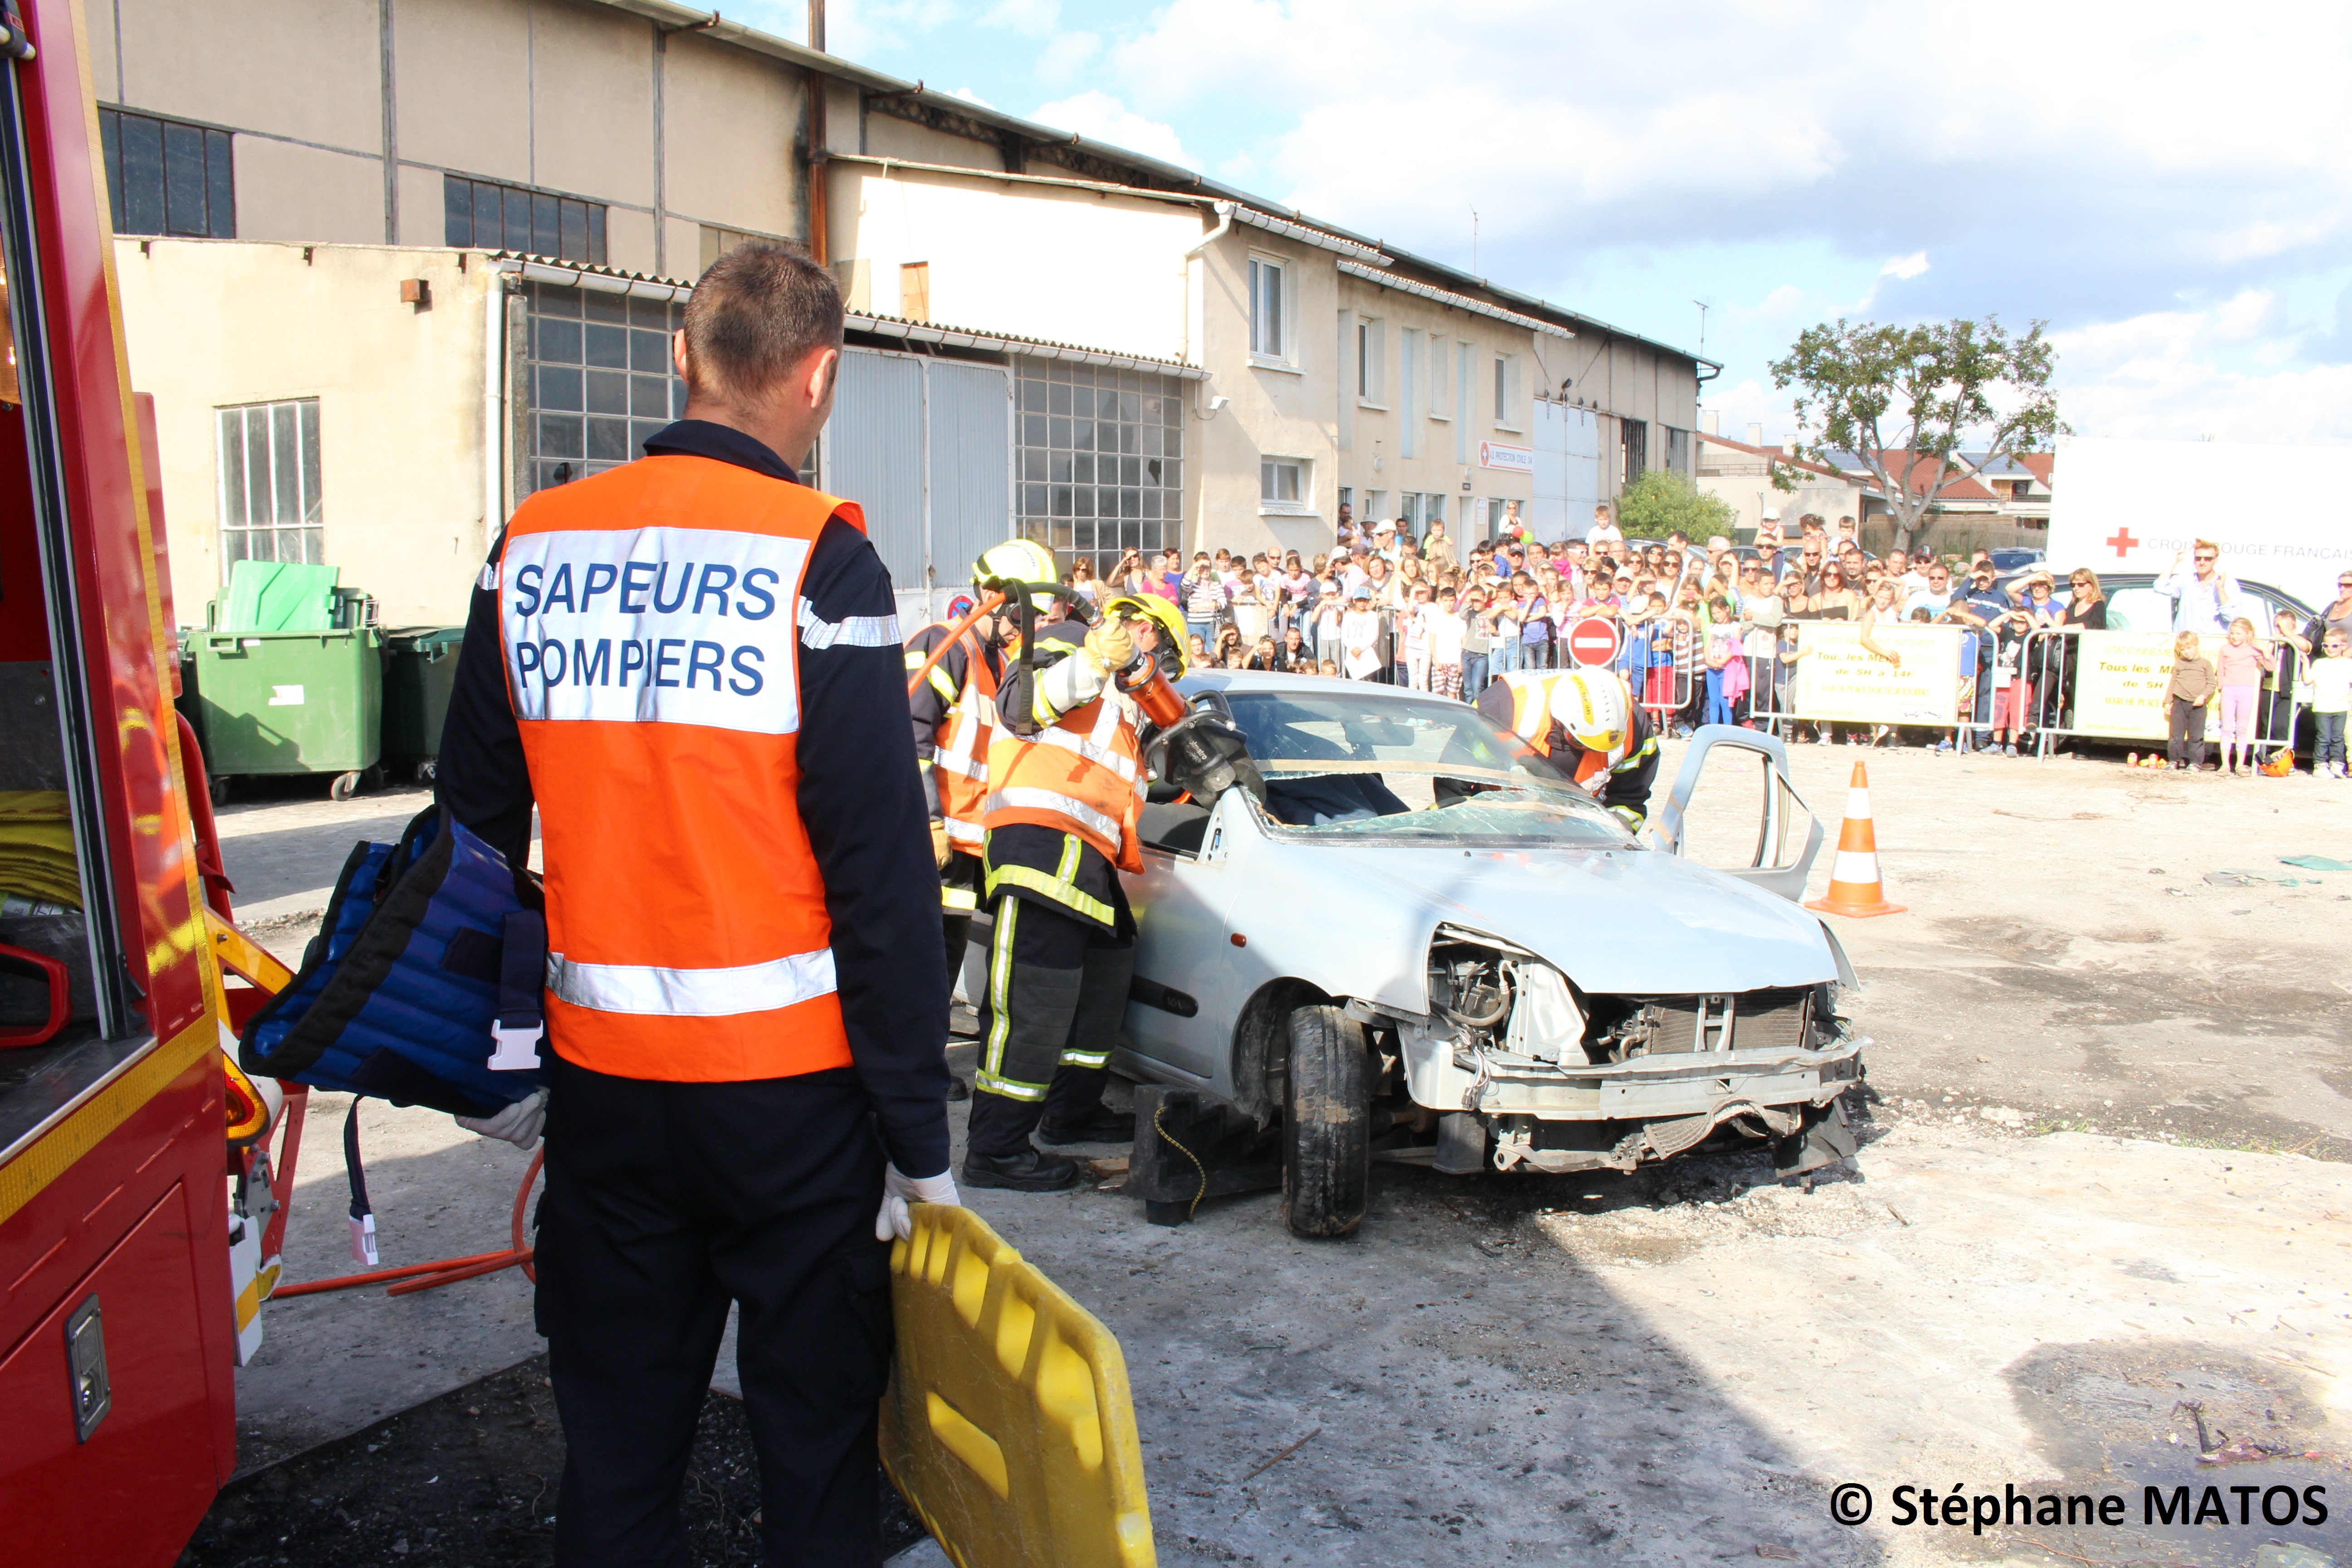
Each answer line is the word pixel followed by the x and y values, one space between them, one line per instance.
pixel 665 1202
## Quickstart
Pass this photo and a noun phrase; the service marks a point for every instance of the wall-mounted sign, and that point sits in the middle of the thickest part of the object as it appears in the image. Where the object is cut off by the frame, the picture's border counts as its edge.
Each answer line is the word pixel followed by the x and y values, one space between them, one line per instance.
pixel 1506 460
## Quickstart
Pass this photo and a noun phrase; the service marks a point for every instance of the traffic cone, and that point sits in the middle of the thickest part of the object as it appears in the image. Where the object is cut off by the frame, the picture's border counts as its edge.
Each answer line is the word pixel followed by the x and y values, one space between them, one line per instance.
pixel 1855 885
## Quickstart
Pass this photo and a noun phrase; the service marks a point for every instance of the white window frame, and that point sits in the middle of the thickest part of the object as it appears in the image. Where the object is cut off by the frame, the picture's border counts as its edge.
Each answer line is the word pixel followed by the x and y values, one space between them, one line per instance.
pixel 1439 371
pixel 1302 469
pixel 289 514
pixel 1371 363
pixel 1462 373
pixel 1506 391
pixel 1284 286
pixel 1408 390
pixel 1373 507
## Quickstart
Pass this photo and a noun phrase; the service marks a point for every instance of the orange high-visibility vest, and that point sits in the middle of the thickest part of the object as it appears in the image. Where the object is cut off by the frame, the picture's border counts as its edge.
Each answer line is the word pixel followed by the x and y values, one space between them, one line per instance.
pixel 1531 720
pixel 651 617
pixel 1532 706
pixel 1082 775
pixel 960 758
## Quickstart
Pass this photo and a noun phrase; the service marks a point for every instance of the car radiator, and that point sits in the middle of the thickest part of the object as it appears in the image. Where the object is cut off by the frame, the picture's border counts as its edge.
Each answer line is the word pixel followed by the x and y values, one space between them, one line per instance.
pixel 1778 1019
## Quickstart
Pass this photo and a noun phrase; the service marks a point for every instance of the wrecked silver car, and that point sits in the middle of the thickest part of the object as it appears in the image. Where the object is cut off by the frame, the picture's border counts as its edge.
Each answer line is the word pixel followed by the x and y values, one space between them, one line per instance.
pixel 1398 935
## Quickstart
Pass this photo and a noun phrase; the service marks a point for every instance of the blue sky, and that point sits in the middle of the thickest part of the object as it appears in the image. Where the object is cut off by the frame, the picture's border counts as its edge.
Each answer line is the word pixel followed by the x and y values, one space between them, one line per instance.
pixel 2169 187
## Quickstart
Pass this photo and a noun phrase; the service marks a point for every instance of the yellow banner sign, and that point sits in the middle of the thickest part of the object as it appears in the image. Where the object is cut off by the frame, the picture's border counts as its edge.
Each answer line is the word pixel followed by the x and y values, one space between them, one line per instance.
pixel 2119 681
pixel 1838 679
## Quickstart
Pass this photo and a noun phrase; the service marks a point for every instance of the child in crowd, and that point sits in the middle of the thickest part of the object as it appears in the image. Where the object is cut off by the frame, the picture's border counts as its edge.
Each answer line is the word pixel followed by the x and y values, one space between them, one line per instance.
pixel 2242 665
pixel 1330 666
pixel 2331 699
pixel 1324 630
pixel 2191 686
pixel 1360 635
pixel 1413 634
pixel 1964 735
pixel 1726 667
pixel 1442 643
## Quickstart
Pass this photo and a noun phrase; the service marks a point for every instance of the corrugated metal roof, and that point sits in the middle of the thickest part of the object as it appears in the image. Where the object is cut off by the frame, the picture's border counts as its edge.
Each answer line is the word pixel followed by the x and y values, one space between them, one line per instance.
pixel 643 286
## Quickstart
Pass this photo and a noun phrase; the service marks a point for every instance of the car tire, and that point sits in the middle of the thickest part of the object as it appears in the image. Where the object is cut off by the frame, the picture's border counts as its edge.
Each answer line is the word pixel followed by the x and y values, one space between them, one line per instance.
pixel 1326 1141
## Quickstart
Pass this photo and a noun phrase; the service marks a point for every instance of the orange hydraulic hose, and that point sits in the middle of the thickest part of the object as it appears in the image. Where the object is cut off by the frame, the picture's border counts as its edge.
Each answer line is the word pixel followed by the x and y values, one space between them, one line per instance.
pixel 987 602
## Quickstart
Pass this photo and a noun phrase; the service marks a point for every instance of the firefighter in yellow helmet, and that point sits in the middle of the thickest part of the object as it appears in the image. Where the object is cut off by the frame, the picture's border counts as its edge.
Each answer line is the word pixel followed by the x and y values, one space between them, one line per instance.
pixel 1586 723
pixel 1064 787
pixel 953 711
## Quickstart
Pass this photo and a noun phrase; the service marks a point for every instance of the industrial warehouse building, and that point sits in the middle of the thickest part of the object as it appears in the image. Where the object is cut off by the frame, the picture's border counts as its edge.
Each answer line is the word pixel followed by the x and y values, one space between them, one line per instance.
pixel 414 258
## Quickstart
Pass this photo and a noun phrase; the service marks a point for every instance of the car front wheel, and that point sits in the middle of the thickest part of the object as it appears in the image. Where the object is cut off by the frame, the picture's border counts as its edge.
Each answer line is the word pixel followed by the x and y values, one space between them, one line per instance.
pixel 1327 1150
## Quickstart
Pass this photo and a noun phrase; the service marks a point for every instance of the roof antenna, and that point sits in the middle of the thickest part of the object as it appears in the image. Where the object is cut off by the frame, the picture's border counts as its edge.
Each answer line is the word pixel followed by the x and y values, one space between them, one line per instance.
pixel 1701 324
pixel 1474 242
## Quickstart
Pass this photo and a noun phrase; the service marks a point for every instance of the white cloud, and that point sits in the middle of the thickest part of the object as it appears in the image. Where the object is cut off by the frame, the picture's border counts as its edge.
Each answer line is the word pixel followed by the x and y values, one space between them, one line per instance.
pixel 1096 114
pixel 1037 17
pixel 969 96
pixel 1906 267
pixel 1778 305
pixel 1066 56
pixel 2229 372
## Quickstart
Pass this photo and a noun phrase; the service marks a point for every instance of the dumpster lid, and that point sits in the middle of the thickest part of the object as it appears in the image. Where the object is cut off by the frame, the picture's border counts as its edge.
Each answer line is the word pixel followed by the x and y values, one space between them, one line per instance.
pixel 279 596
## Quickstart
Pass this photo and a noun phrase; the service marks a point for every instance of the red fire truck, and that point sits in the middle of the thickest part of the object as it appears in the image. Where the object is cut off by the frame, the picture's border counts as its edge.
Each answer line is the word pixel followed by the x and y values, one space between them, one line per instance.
pixel 120 1199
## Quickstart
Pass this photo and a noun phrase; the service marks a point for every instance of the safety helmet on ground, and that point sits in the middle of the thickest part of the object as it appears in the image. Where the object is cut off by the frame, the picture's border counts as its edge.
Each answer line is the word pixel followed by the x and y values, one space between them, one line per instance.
pixel 1019 560
pixel 1594 707
pixel 1160 613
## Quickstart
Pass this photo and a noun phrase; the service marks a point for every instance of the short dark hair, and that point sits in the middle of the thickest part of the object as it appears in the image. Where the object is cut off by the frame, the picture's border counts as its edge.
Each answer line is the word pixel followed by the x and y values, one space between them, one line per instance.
pixel 756 313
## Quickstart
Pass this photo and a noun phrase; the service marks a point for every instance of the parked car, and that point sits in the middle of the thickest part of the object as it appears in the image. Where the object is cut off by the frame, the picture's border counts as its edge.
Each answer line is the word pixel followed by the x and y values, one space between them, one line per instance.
pixel 1420 943
pixel 2016 559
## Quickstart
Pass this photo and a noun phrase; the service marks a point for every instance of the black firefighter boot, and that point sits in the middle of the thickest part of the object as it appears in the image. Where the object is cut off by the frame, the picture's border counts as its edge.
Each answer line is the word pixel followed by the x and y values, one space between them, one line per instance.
pixel 1036 1016
pixel 1074 1112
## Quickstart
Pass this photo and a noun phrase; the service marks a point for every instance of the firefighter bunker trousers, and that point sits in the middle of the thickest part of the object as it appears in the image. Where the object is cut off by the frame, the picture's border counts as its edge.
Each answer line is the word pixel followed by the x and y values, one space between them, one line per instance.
pixel 1057 987
pixel 666 1200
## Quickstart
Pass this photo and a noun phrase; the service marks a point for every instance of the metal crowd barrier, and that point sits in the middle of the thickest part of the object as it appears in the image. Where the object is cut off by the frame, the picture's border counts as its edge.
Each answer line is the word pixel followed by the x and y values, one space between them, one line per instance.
pixel 2050 698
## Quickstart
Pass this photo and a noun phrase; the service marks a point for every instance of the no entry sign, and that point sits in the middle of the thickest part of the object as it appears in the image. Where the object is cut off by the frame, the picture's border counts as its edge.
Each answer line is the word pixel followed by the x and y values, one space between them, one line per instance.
pixel 1592 640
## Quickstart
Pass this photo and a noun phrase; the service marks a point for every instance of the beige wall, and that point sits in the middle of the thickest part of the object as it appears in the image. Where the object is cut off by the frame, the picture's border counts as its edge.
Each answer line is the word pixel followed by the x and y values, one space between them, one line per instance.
pixel 285 191
pixel 1275 412
pixel 311 69
pixel 213 323
pixel 888 137
pixel 732 121
pixel 463 84
pixel 592 108
pixel 1441 463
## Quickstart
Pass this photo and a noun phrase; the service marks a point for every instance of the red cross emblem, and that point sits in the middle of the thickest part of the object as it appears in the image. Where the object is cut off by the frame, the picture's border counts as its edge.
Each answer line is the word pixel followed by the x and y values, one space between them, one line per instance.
pixel 2122 540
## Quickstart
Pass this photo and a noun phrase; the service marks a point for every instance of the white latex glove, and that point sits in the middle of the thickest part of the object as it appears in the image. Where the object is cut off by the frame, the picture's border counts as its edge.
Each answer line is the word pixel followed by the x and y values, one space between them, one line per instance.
pixel 519 1124
pixel 893 1221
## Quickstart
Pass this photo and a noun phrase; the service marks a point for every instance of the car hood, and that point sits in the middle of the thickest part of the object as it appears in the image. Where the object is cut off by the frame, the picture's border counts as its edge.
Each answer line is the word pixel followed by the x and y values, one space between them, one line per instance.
pixel 1622 920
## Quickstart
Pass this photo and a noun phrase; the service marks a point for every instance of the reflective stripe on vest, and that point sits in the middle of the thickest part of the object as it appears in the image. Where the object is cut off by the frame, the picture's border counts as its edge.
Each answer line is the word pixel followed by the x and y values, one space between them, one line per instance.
pixel 960 754
pixel 654 626
pixel 1531 708
pixel 691 992
pixel 1082 775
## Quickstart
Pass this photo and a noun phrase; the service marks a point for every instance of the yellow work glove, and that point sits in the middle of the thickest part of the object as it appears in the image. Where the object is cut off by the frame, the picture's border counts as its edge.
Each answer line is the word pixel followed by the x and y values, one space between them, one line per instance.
pixel 940 847
pixel 1110 647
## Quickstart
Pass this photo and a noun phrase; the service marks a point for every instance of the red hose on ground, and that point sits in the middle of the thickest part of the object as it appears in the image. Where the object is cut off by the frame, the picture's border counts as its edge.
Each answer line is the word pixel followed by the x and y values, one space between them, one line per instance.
pixel 415 1276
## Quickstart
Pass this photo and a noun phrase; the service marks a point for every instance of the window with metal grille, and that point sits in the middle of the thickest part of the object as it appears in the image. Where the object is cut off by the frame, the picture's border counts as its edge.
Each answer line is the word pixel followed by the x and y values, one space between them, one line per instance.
pixel 600 379
pixel 166 177
pixel 1102 460
pixel 1633 441
pixel 508 217
pixel 269 483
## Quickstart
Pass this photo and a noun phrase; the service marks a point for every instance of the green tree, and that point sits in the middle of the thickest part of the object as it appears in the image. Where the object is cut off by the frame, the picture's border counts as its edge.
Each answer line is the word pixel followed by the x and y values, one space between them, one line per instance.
pixel 1663 500
pixel 1900 402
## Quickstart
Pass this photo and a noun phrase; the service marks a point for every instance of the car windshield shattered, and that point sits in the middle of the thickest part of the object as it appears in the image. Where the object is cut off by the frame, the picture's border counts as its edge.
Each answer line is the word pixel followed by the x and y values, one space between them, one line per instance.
pixel 1348 765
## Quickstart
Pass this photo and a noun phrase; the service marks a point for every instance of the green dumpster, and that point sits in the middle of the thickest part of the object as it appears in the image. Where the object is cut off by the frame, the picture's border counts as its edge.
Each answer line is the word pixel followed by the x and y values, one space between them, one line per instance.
pixel 300 693
pixel 420 668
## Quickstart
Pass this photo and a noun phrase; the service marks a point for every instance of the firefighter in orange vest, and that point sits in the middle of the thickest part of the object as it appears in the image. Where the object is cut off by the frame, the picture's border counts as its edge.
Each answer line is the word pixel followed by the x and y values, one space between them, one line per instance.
pixel 953 710
pixel 1064 788
pixel 1587 724
pixel 691 665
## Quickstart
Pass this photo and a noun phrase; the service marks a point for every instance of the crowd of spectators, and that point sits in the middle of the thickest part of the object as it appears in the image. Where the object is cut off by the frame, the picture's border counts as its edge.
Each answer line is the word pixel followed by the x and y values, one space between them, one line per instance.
pixel 1706 633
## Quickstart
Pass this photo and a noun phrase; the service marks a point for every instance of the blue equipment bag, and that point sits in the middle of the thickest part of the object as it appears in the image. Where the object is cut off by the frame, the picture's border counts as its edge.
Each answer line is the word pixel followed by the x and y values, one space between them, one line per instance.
pixel 424 965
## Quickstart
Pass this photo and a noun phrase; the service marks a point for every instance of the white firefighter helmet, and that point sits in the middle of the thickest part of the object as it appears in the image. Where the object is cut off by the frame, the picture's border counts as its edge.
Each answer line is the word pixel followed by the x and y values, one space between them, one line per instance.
pixel 1019 560
pixel 1594 707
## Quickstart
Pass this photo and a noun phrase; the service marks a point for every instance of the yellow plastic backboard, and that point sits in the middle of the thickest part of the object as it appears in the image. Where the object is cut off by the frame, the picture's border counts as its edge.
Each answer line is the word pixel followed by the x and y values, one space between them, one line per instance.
pixel 1008 1425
